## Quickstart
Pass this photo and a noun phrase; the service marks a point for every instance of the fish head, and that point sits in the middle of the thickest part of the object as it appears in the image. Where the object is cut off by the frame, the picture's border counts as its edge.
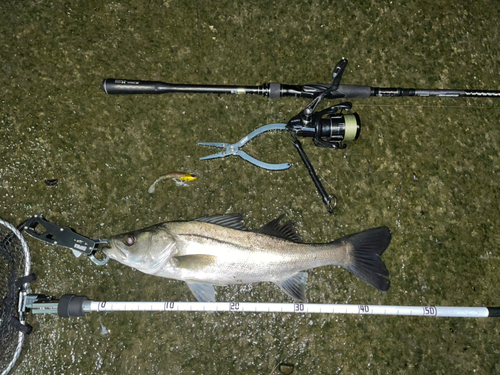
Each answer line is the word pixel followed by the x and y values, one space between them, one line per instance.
pixel 146 250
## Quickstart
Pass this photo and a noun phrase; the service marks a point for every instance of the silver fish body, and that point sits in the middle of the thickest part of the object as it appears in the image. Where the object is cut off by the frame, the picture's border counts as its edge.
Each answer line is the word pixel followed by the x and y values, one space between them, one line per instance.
pixel 219 250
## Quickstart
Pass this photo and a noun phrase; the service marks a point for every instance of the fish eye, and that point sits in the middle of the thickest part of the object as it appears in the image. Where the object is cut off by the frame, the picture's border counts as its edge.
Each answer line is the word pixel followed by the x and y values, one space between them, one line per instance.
pixel 129 240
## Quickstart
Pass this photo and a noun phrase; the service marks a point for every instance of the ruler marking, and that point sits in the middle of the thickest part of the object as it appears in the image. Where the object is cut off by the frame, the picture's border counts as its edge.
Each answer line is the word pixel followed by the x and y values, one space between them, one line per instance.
pixel 388 310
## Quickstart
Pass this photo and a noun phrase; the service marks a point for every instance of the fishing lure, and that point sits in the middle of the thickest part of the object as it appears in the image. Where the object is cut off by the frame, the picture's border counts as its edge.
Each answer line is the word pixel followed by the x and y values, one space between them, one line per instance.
pixel 180 179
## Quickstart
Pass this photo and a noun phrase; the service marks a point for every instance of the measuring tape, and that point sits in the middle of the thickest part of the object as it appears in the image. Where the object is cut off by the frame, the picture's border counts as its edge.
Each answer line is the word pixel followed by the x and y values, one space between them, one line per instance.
pixel 71 305
pixel 301 308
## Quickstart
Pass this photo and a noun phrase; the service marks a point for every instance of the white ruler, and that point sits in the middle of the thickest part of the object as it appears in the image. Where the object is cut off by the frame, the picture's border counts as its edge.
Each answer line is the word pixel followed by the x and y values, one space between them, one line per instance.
pixel 301 308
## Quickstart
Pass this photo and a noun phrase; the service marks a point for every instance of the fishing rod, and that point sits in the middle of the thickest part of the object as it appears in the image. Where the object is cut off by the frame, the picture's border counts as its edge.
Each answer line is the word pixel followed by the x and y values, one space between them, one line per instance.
pixel 71 305
pixel 278 90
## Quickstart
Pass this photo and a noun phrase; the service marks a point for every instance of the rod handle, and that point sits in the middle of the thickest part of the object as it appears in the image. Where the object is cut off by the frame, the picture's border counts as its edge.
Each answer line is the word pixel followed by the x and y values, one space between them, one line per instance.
pixel 355 91
pixel 127 86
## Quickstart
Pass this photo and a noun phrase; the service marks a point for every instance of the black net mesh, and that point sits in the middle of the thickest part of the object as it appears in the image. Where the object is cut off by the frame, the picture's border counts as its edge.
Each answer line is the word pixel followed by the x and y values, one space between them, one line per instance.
pixel 14 265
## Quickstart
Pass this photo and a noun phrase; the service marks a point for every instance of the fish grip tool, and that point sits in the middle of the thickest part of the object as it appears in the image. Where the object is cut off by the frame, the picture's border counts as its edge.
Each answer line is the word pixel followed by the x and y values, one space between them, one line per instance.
pixel 40 228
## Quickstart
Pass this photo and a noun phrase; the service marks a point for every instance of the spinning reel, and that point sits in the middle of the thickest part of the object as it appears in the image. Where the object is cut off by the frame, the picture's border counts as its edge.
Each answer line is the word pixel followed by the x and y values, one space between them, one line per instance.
pixel 328 128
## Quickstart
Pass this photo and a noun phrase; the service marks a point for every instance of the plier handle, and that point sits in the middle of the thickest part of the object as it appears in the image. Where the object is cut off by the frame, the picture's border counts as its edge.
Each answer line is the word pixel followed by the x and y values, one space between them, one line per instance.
pixel 234 148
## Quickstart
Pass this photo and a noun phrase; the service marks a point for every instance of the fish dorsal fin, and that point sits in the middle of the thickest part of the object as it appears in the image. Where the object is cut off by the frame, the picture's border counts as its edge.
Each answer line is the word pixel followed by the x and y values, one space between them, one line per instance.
pixel 295 286
pixel 233 221
pixel 286 231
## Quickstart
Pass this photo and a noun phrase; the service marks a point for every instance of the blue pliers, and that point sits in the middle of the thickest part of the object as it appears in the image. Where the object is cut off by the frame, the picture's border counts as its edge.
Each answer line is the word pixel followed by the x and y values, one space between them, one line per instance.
pixel 234 149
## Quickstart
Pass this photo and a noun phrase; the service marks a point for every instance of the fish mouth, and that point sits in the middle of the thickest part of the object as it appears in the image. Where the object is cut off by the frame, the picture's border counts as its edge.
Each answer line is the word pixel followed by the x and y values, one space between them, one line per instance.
pixel 116 251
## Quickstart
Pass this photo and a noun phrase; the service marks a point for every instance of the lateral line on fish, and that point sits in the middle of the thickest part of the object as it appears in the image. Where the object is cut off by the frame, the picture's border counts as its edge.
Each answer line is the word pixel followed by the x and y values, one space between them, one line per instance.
pixel 202 237
pixel 216 240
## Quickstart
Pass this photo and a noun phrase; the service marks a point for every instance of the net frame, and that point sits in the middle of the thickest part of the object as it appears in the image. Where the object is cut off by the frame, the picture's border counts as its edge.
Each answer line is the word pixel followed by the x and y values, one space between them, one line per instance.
pixel 14 245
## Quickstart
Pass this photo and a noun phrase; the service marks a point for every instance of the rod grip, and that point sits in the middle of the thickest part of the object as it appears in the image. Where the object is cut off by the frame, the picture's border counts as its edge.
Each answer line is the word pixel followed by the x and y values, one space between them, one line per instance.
pixel 126 86
pixel 355 91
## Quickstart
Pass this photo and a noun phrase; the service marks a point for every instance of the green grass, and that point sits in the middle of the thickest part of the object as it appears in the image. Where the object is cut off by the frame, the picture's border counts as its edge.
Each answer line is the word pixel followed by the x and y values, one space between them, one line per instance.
pixel 426 167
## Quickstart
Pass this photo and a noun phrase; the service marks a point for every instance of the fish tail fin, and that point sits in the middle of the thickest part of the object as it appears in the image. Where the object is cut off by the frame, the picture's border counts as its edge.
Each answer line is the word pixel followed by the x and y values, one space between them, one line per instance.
pixel 367 247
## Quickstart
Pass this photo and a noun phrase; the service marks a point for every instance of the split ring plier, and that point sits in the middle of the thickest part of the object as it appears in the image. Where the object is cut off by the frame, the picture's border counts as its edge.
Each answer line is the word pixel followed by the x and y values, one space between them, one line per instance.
pixel 234 149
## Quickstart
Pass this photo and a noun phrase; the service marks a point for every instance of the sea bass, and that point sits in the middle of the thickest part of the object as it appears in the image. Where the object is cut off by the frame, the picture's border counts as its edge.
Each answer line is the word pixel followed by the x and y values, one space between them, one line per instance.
pixel 219 250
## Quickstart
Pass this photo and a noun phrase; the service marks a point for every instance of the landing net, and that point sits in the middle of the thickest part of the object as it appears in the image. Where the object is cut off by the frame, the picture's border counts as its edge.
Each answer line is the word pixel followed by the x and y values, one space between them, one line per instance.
pixel 14 285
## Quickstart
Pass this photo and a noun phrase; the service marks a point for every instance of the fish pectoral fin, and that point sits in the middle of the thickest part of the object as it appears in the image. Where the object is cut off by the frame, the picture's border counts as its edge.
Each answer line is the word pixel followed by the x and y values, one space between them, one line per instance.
pixel 295 286
pixel 194 262
pixel 202 292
